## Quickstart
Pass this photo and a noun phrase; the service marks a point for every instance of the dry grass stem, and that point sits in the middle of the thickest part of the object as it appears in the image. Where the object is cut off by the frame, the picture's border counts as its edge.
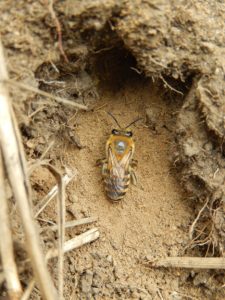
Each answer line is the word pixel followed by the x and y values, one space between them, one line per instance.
pixel 169 86
pixel 6 244
pixel 57 190
pixel 30 116
pixel 190 262
pixel 60 192
pixel 61 231
pixel 74 223
pixel 32 165
pixel 160 294
pixel 14 160
pixel 50 145
pixel 53 192
pixel 191 230
pixel 80 240
pixel 45 94
pixel 27 293
pixel 58 29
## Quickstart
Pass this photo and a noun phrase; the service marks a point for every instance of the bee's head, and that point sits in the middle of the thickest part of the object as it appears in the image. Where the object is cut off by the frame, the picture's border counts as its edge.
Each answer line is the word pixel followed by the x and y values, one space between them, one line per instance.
pixel 122 132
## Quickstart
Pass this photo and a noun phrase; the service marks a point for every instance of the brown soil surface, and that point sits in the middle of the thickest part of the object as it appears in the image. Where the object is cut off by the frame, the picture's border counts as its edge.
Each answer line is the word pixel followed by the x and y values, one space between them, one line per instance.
pixel 150 220
pixel 179 141
pixel 153 218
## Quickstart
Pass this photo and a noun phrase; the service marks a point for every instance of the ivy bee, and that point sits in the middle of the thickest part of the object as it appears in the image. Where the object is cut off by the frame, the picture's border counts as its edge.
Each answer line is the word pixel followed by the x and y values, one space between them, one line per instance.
pixel 117 167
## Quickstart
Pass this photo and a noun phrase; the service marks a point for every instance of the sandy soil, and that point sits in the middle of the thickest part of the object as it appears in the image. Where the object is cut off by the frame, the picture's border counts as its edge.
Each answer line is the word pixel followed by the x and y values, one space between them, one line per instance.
pixel 104 40
pixel 153 218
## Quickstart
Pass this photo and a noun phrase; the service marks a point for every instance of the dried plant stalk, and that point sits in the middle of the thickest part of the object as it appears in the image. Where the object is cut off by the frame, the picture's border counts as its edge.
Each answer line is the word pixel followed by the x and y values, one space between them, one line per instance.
pixel 47 95
pixel 14 160
pixel 58 190
pixel 190 262
pixel 87 237
pixel 61 224
pixel 80 240
pixel 53 192
pixel 61 231
pixel 74 223
pixel 192 228
pixel 6 244
pixel 27 293
pixel 58 29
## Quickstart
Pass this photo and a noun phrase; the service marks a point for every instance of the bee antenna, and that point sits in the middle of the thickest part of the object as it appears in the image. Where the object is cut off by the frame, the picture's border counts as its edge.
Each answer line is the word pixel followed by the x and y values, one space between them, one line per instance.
pixel 111 115
pixel 138 119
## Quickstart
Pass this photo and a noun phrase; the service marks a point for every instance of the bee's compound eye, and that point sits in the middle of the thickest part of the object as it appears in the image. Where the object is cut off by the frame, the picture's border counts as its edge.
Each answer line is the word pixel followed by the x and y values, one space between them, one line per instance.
pixel 129 133
pixel 120 147
pixel 115 132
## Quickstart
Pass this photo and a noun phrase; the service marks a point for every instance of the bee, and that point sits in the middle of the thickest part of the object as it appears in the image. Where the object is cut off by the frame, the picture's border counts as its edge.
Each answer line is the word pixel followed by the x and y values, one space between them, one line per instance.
pixel 117 167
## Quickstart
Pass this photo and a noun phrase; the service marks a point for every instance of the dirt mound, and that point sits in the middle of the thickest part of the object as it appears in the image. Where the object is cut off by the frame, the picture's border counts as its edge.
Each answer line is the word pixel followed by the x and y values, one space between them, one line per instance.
pixel 172 38
pixel 203 173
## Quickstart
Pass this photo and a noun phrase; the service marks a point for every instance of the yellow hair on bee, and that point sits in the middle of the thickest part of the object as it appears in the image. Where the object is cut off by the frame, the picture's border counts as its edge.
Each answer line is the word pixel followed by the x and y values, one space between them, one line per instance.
pixel 117 168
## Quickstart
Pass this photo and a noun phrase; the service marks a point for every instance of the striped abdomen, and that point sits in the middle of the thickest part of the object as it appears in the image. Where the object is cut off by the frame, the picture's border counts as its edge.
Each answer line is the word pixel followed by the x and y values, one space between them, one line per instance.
pixel 116 187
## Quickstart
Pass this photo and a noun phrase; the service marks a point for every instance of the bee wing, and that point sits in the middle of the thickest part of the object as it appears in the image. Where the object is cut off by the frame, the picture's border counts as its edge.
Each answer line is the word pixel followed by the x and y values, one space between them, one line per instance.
pixel 119 167
pixel 118 172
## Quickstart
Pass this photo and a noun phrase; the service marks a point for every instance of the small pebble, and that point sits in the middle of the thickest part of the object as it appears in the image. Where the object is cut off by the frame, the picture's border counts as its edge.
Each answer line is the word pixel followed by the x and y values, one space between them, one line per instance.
pixel 109 259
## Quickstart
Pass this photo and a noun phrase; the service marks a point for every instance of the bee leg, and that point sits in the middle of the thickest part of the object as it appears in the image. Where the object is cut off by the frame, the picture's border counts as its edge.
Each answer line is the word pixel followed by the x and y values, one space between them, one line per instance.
pixel 100 162
pixel 133 177
pixel 134 163
pixel 104 169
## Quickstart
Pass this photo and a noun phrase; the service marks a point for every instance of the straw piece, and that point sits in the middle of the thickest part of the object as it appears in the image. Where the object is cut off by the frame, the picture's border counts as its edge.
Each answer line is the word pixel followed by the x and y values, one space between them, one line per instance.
pixel 80 240
pixel 14 159
pixel 6 244
pixel 190 262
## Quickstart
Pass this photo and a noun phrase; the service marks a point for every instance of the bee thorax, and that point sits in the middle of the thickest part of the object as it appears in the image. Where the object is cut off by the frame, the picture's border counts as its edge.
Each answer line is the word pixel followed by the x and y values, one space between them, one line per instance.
pixel 120 146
